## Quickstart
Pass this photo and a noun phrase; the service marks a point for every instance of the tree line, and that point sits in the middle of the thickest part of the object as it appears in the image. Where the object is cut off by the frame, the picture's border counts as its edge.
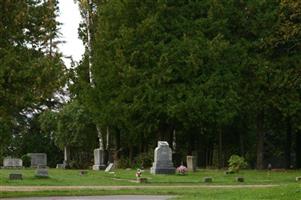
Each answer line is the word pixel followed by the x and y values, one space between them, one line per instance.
pixel 212 77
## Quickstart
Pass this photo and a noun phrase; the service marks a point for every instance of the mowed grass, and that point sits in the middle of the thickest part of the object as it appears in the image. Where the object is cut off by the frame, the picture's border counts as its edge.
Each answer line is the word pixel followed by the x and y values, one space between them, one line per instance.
pixel 58 177
pixel 287 188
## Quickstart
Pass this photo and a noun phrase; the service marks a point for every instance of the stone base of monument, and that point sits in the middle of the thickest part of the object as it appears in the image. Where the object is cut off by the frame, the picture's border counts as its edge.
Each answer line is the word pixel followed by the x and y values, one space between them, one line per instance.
pixel 98 167
pixel 156 170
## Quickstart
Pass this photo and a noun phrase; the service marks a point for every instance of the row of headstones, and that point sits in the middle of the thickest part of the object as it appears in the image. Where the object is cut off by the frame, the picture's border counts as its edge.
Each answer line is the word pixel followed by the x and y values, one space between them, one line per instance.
pixel 162 160
pixel 163 163
pixel 37 159
pixel 205 179
pixel 41 172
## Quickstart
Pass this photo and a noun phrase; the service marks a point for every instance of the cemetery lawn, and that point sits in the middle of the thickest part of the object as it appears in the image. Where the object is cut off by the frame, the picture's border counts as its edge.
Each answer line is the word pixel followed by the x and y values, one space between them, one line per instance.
pixel 273 185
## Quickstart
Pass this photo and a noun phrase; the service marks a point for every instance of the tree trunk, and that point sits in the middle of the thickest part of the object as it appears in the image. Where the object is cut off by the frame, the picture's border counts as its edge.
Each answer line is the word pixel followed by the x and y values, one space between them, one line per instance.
pixel 131 153
pixel 298 149
pixel 141 143
pixel 288 144
pixel 108 139
pixel 190 144
pixel 260 140
pixel 241 144
pixel 220 149
pixel 118 146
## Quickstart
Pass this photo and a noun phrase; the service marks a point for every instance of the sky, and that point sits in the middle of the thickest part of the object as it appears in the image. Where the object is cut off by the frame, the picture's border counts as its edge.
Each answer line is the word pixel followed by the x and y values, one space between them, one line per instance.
pixel 70 17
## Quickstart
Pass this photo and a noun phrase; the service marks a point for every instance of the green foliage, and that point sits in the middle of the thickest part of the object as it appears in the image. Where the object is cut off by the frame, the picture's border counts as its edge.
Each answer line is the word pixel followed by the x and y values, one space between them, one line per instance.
pixel 144 160
pixel 197 67
pixel 31 68
pixel 26 160
pixel 72 127
pixel 124 163
pixel 236 163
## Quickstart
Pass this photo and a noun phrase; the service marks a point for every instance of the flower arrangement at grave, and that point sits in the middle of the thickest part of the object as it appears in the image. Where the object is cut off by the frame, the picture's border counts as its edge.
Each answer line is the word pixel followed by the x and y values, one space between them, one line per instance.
pixel 181 170
pixel 138 173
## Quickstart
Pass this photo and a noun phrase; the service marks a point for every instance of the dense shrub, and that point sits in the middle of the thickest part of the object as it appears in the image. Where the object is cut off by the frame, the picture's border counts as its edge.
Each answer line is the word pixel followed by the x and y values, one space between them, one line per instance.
pixel 123 163
pixel 26 160
pixel 144 160
pixel 236 163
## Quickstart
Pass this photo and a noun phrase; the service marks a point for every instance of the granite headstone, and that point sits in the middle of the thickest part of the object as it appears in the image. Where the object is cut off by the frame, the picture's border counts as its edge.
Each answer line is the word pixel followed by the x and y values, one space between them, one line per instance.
pixel 15 176
pixel 38 159
pixel 42 171
pixel 99 155
pixel 191 163
pixel 9 162
pixel 163 159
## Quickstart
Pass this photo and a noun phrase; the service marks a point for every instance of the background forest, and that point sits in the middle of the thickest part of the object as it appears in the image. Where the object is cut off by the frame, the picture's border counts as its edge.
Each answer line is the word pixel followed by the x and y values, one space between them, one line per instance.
pixel 211 77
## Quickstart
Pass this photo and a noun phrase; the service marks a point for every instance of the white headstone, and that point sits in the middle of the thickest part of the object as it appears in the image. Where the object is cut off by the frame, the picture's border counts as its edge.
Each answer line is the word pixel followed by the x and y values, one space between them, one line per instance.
pixel 109 167
pixel 9 162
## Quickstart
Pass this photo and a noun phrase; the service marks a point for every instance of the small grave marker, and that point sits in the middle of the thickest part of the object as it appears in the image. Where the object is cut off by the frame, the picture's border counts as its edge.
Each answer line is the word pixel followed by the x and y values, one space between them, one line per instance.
pixel 207 179
pixel 229 172
pixel 83 172
pixel 109 167
pixel 15 176
pixel 42 171
pixel 240 179
pixel 60 166
pixel 191 163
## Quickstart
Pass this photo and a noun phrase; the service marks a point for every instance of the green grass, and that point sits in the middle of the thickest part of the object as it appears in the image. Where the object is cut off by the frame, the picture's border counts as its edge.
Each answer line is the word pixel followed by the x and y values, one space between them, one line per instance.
pixel 288 188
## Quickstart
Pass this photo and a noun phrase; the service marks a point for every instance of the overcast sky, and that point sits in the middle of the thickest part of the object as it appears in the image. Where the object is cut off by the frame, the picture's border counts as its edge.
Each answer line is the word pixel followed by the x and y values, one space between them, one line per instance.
pixel 70 17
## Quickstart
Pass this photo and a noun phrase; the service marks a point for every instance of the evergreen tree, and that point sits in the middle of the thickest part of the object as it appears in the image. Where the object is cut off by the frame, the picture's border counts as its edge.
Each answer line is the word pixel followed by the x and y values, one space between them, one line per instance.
pixel 31 69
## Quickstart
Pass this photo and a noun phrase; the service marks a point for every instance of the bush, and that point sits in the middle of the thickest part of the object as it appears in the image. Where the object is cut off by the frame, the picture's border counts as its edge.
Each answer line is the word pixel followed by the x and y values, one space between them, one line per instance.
pixel 26 160
pixel 236 163
pixel 123 163
pixel 144 160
